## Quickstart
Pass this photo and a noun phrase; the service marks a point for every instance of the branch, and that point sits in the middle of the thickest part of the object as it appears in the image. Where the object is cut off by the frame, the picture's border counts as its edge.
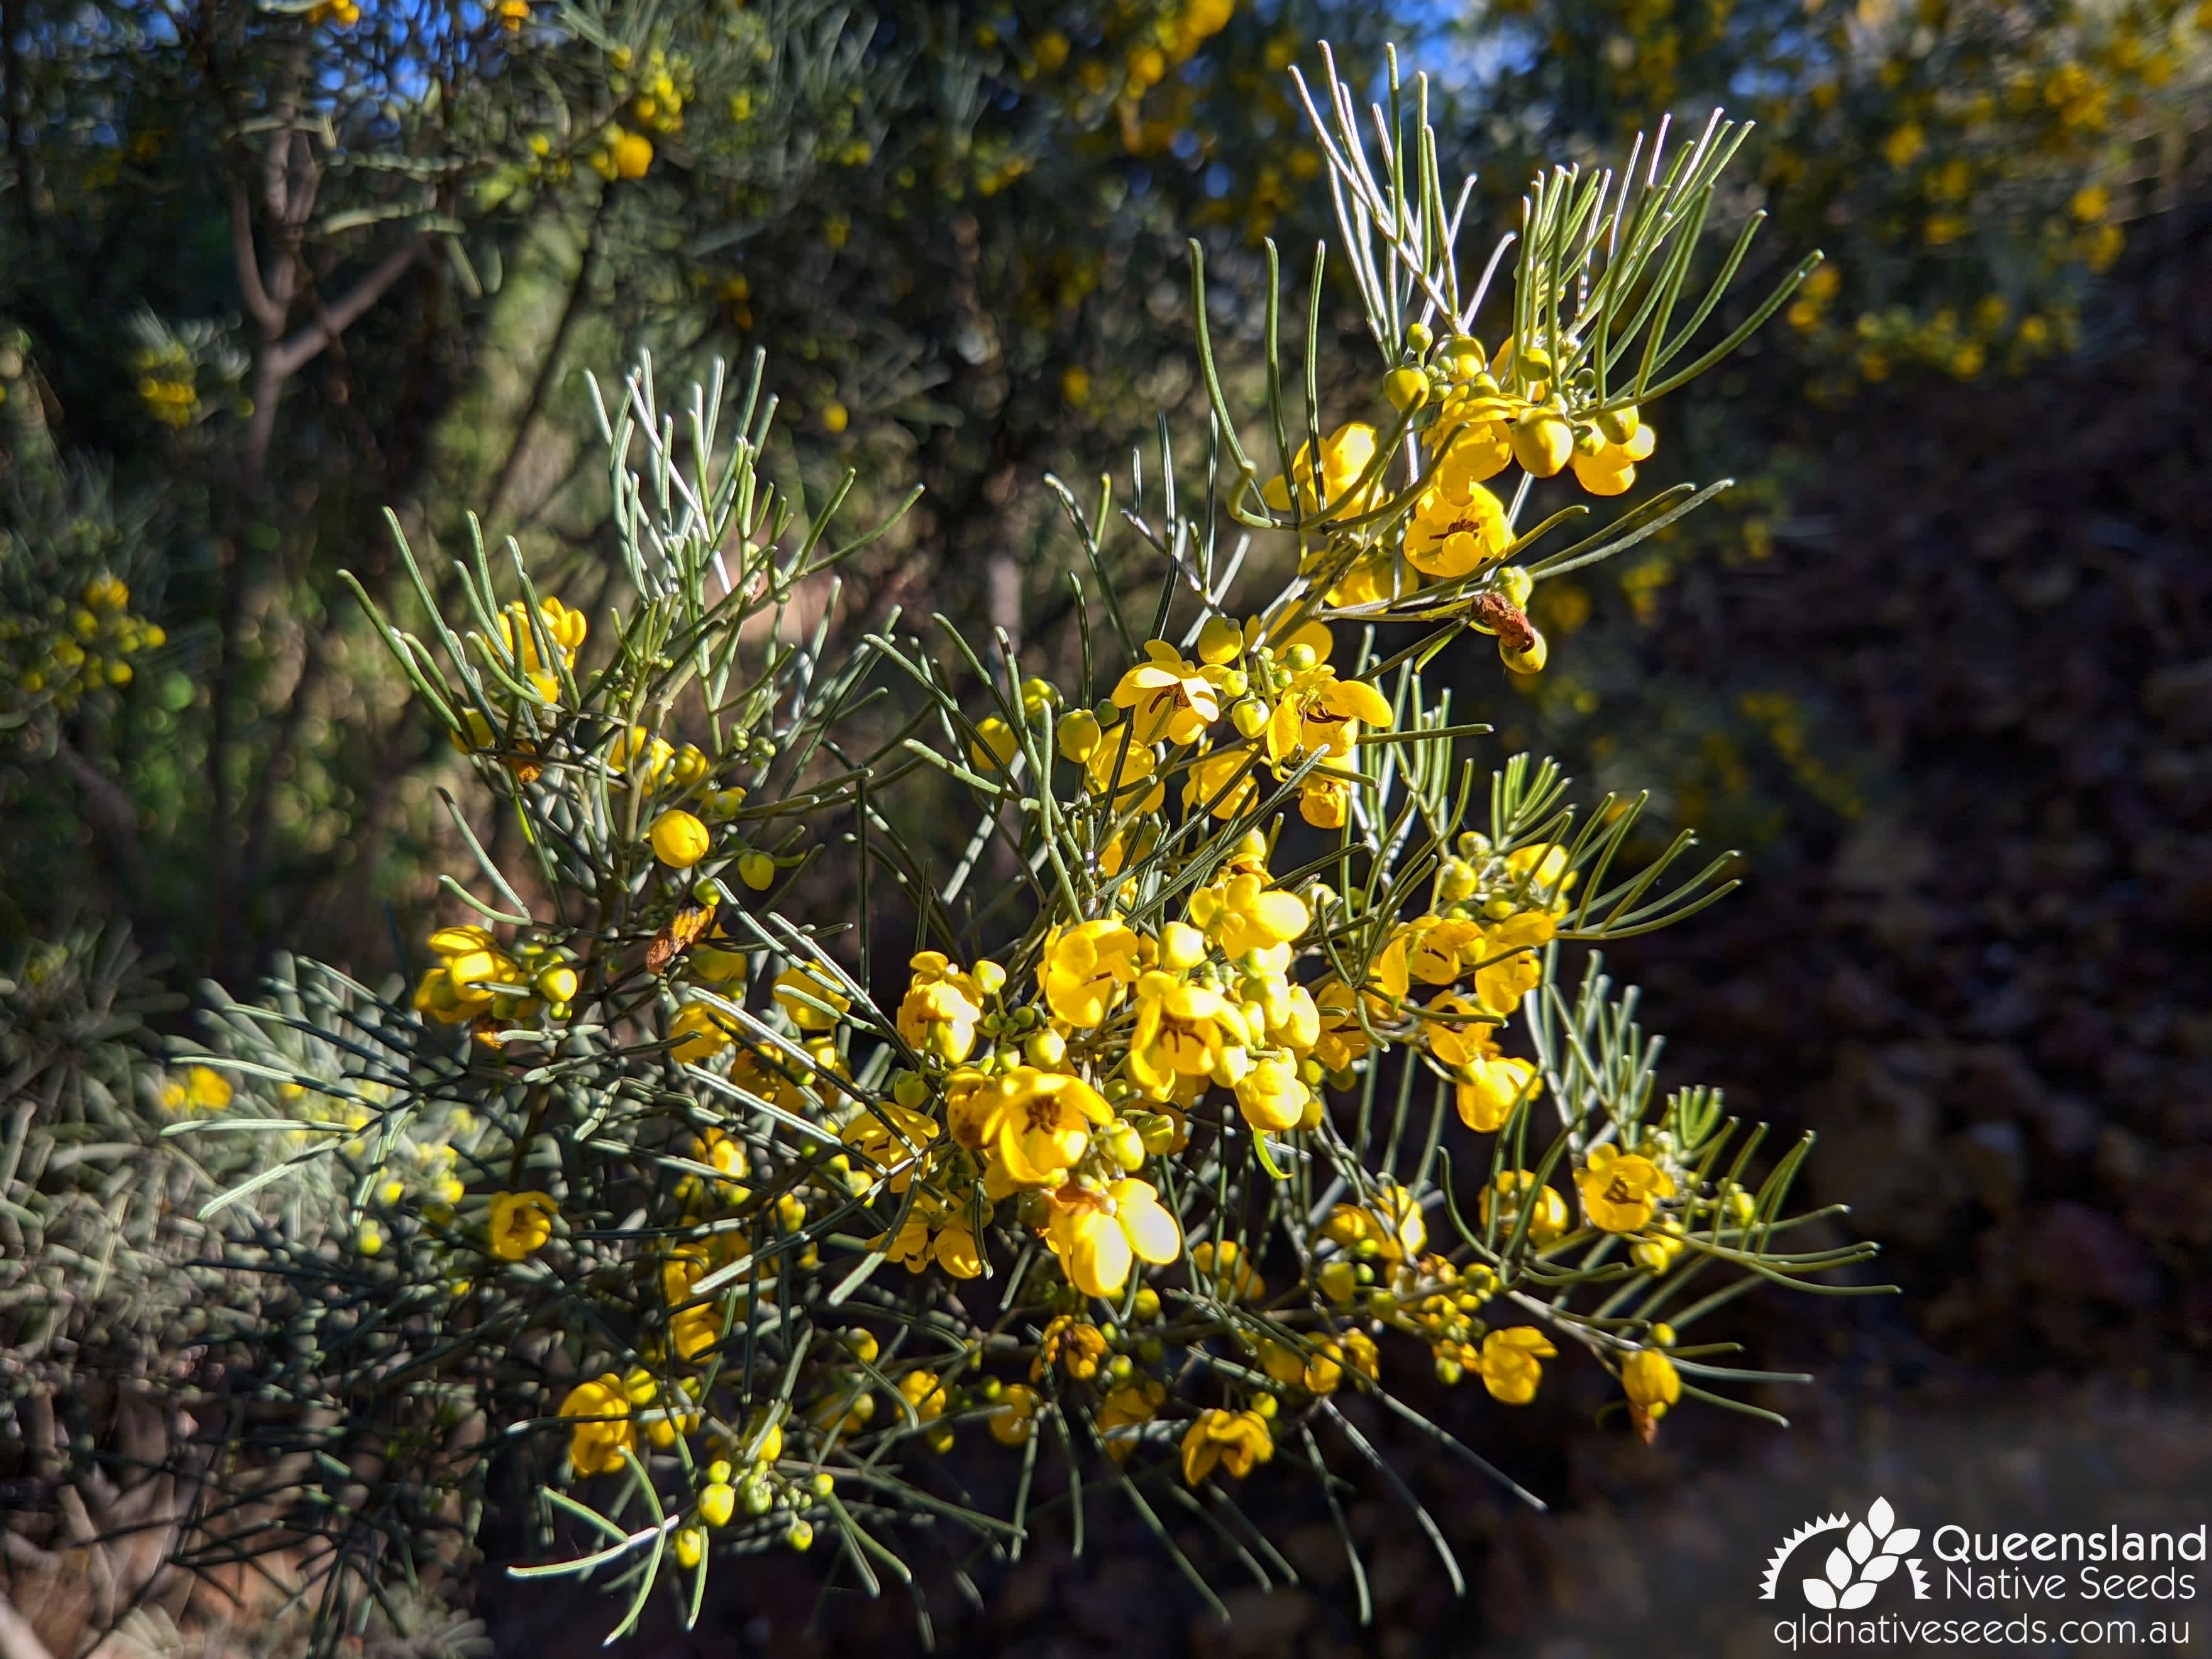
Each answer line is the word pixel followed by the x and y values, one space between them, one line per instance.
pixel 265 310
pixel 288 357
pixel 110 813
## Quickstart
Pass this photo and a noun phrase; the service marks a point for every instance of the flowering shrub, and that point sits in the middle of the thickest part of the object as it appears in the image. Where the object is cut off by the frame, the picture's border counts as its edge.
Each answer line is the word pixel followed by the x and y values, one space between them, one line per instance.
pixel 1277 1064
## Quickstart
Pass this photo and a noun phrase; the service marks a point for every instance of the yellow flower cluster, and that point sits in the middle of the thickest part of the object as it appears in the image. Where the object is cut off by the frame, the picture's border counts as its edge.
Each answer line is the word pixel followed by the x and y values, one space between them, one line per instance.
pixel 60 653
pixel 655 95
pixel 478 980
pixel 201 1089
pixel 1475 417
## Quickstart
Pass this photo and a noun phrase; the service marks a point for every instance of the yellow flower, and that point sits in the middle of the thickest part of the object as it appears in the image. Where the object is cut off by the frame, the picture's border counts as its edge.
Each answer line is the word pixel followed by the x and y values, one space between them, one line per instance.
pixel 1510 1365
pixel 1086 968
pixel 1230 1440
pixel 695 1330
pixel 631 153
pixel 654 757
pixel 1541 439
pixel 1652 1384
pixel 1015 1420
pixel 723 1153
pixel 700 1032
pixel 1079 736
pixel 953 1248
pixel 203 1090
pixel 1543 866
pixel 891 1139
pixel 1138 789
pixel 1272 1096
pixel 680 840
pixel 920 1389
pixel 1451 535
pixel 520 1224
pixel 1511 963
pixel 1546 1222
pixel 1098 1241
pixel 1479 447
pixel 691 1547
pixel 597 1447
pixel 1659 1249
pixel 1168 699
pixel 1320 1371
pixel 1371 578
pixel 1354 1349
pixel 1222 780
pixel 1455 1041
pixel 943 1005
pixel 1075 1344
pixel 1279 637
pixel 1345 454
pixel 1125 1408
pixel 1183 1030
pixel 909 1246
pixel 566 628
pixel 1321 714
pixel 1245 914
pixel 1325 802
pixel 1610 468
pixel 1489 1087
pixel 1392 1219
pixel 1035 1125
pixel 718 1501
pixel 1233 1277
pixel 1342 1040
pixel 995 747
pixel 1621 1190
pixel 795 985
pixel 1431 949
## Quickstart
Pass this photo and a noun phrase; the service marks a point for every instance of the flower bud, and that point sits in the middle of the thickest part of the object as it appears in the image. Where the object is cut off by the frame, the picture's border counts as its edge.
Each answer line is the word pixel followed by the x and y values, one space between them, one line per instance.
pixel 1541 442
pixel 680 840
pixel 1407 389
pixel 1125 1147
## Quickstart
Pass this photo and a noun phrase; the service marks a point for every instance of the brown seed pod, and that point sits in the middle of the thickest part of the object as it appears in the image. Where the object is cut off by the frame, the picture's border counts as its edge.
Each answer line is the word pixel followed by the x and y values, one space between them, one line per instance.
pixel 1506 619
pixel 677 935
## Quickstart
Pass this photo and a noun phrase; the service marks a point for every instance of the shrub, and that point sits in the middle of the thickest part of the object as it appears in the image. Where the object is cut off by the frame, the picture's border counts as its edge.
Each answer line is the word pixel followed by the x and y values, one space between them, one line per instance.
pixel 691 1216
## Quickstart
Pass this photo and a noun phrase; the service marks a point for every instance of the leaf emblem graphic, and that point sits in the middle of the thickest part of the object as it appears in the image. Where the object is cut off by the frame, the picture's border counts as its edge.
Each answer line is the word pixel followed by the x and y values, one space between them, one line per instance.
pixel 1818 1593
pixel 1900 1541
pixel 1860 1543
pixel 1839 1568
pixel 1880 1518
pixel 1856 1596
